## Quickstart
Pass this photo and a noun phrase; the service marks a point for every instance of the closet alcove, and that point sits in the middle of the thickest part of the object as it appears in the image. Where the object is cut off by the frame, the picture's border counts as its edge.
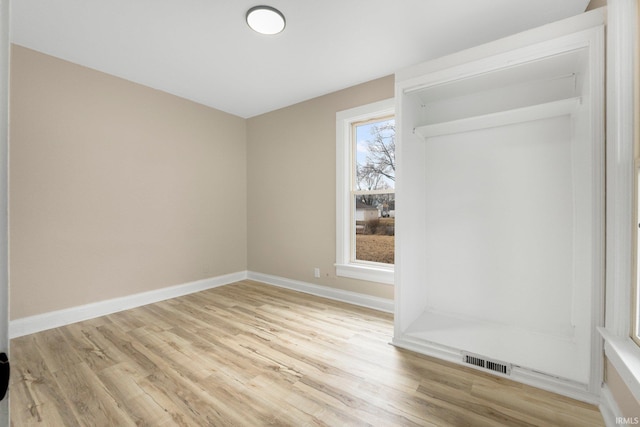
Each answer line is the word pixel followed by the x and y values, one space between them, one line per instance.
pixel 500 206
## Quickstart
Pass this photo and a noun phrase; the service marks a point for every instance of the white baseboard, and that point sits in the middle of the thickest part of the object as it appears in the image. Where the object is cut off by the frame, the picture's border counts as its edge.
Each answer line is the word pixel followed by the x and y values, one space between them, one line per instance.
pixel 530 377
pixel 608 407
pixel 377 303
pixel 54 319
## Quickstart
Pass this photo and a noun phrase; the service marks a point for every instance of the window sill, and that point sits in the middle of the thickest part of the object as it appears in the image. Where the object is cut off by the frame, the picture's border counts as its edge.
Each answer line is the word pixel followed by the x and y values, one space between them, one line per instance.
pixel 366 272
pixel 624 355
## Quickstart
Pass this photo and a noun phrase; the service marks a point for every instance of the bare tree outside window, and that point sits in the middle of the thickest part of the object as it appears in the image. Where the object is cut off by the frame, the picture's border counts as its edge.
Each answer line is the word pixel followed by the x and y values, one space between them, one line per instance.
pixel 374 190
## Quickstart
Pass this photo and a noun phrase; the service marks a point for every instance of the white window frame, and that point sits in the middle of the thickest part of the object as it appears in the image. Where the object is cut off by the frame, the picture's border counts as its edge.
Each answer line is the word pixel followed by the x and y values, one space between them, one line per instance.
pixel 345 266
pixel 621 350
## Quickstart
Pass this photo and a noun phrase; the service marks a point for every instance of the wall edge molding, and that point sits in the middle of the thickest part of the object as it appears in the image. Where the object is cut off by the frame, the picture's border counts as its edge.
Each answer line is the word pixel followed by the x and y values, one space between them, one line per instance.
pixel 539 380
pixel 355 298
pixel 608 406
pixel 53 319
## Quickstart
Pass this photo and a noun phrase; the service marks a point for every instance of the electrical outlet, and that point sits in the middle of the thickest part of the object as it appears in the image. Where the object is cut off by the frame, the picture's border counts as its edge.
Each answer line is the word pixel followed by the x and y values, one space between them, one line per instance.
pixel 316 272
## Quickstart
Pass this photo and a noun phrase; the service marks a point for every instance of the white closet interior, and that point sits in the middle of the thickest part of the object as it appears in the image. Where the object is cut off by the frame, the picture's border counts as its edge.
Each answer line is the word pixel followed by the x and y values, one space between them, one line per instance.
pixel 500 206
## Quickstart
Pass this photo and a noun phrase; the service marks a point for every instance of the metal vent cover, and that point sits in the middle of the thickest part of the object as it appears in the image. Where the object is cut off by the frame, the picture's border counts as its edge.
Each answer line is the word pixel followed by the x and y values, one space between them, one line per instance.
pixel 486 363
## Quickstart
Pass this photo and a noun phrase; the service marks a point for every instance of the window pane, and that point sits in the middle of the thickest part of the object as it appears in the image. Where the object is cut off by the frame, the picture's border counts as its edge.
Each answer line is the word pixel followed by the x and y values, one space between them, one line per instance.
pixel 374 227
pixel 365 174
pixel 375 155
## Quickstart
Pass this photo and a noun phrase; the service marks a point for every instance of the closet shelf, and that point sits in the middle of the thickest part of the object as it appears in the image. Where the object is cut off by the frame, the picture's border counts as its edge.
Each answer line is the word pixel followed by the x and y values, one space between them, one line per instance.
pixel 502 118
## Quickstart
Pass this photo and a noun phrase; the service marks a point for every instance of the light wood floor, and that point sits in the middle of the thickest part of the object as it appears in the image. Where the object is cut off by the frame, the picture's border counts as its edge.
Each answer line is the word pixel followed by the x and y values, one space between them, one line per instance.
pixel 249 354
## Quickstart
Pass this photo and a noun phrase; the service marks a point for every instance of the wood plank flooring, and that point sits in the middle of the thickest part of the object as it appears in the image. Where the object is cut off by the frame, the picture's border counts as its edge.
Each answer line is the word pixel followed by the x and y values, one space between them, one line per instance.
pixel 249 354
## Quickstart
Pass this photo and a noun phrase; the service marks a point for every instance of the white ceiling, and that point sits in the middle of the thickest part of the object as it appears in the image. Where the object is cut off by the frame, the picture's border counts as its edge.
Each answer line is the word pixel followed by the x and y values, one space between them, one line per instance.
pixel 204 51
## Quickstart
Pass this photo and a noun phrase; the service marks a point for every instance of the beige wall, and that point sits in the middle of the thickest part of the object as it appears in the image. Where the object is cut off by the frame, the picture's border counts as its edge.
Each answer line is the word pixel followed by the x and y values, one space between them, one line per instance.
pixel 116 188
pixel 628 405
pixel 594 4
pixel 292 180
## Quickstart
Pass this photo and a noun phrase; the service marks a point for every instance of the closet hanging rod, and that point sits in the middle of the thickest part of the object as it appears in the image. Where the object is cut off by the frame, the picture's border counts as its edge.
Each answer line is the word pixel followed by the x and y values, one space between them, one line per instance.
pixel 501 118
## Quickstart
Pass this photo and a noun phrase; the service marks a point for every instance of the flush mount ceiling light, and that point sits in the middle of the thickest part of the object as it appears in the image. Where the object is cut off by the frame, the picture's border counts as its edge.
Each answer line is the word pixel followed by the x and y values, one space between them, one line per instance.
pixel 265 20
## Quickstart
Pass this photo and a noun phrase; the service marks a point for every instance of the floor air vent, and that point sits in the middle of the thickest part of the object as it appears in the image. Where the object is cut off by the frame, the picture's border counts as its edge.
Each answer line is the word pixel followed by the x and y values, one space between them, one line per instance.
pixel 488 364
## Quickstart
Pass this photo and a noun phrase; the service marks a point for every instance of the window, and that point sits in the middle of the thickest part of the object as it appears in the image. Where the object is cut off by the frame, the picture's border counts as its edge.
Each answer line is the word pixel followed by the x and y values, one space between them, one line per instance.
pixel 365 218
